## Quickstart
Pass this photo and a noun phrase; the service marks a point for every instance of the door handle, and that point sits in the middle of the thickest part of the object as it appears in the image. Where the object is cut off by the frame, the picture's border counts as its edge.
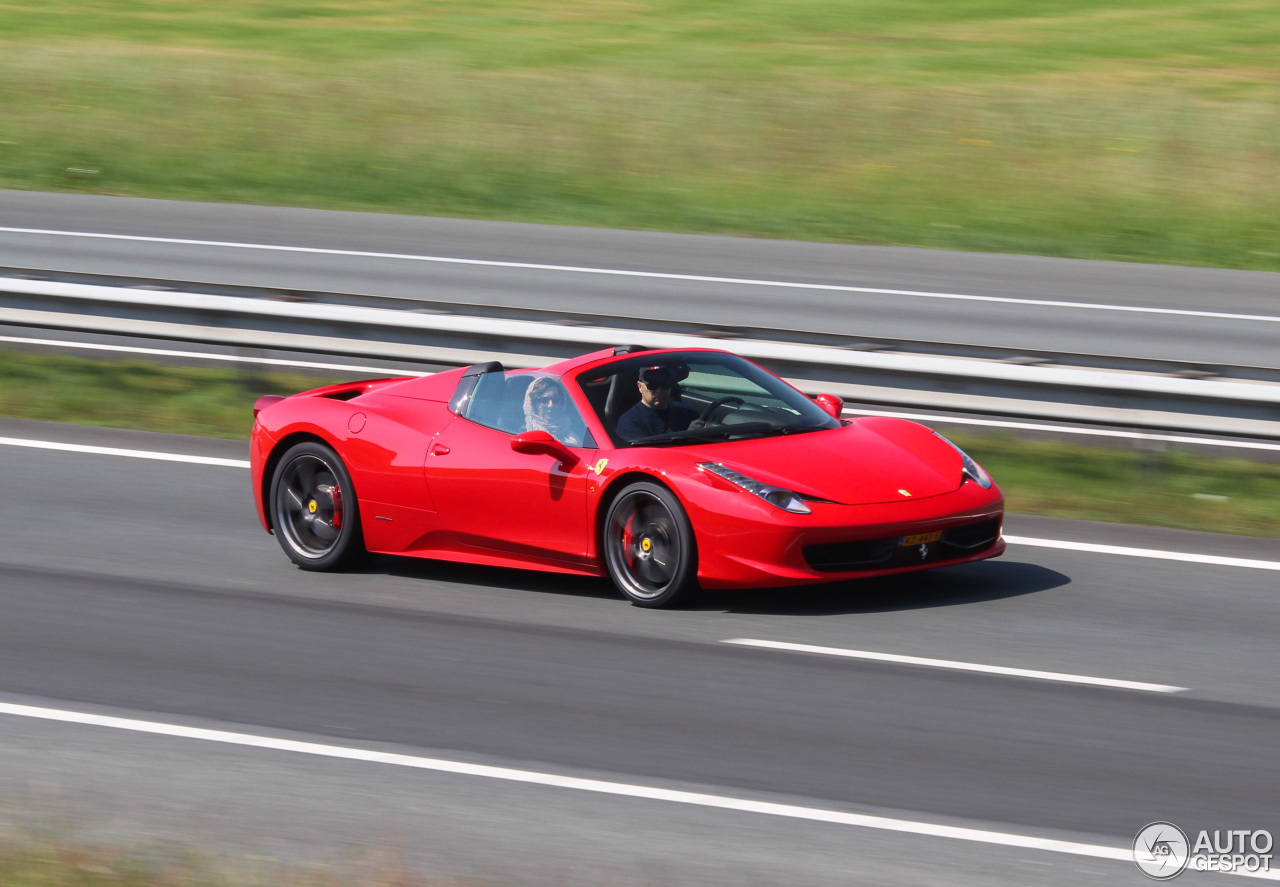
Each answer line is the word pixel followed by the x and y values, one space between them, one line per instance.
pixel 439 450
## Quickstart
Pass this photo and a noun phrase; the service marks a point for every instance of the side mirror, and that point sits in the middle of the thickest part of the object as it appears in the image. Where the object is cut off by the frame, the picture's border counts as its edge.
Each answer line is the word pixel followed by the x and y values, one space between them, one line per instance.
pixel 540 442
pixel 831 405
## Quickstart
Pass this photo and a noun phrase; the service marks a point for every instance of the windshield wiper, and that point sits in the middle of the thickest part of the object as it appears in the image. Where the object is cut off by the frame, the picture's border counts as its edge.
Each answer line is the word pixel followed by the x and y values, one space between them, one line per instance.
pixel 801 429
pixel 709 432
pixel 756 430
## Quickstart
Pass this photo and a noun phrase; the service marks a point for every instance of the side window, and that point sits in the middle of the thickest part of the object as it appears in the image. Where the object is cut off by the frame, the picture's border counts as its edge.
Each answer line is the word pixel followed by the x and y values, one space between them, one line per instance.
pixel 516 402
pixel 547 407
pixel 487 402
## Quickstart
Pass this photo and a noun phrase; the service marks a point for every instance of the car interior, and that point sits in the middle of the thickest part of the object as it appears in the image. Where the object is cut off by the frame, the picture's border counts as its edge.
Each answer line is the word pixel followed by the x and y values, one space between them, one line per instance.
pixel 613 393
pixel 492 397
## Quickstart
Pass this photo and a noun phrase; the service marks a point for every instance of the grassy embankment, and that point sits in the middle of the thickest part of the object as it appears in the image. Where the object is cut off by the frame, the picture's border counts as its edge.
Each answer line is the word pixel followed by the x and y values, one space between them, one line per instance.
pixel 1128 129
pixel 28 862
pixel 1174 488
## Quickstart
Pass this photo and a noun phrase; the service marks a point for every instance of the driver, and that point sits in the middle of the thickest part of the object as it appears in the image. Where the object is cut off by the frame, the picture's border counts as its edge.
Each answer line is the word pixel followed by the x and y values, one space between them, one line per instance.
pixel 656 413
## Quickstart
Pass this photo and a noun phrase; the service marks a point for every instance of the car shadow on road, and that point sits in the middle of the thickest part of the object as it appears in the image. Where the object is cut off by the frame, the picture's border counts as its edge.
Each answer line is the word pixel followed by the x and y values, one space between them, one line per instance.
pixel 494 577
pixel 945 587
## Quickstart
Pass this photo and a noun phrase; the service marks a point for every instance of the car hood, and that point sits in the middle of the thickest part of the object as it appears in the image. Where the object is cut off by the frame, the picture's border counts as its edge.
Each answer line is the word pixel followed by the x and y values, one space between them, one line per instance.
pixel 870 460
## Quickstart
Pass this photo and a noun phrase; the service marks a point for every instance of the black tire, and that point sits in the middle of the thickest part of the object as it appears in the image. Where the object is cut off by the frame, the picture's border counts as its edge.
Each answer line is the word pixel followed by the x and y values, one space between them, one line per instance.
pixel 314 511
pixel 649 547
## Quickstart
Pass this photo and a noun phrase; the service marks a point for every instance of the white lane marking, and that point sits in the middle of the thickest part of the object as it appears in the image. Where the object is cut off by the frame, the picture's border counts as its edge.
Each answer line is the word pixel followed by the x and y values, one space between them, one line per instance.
pixel 654 275
pixel 116 451
pixel 1092 548
pixel 206 355
pixel 958 666
pixel 1016 540
pixel 553 780
pixel 1060 429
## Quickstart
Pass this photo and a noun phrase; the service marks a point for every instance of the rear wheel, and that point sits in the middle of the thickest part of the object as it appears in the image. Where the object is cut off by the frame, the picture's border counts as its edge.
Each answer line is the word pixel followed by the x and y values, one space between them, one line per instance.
pixel 649 547
pixel 314 510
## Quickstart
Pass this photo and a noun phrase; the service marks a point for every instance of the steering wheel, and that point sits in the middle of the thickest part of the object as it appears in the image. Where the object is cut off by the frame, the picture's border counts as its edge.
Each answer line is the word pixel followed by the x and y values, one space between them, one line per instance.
pixel 718 402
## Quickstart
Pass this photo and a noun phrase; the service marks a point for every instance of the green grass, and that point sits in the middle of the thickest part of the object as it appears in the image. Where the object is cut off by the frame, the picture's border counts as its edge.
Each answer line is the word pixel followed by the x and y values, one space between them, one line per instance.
pixel 1170 488
pixel 1066 480
pixel 138 394
pixel 40 862
pixel 1127 129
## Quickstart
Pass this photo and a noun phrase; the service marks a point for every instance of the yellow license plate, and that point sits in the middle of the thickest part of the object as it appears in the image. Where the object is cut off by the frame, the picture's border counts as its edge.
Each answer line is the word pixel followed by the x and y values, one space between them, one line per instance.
pixel 922 538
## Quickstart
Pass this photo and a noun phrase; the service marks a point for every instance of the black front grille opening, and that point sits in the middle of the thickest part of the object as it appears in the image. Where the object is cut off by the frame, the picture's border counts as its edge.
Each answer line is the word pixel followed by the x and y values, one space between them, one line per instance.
pixel 865 554
pixel 881 554
pixel 973 536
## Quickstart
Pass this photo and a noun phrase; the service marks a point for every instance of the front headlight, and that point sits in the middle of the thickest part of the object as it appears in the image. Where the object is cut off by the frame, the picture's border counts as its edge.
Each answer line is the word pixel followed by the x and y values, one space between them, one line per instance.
pixel 775 496
pixel 972 469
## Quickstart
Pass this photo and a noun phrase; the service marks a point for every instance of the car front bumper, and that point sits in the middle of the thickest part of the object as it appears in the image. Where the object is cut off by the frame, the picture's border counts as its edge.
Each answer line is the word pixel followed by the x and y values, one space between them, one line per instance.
pixel 764 546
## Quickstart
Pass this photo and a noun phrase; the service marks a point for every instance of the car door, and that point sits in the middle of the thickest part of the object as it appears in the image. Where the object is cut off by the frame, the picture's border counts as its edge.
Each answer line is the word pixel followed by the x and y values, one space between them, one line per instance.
pixel 489 496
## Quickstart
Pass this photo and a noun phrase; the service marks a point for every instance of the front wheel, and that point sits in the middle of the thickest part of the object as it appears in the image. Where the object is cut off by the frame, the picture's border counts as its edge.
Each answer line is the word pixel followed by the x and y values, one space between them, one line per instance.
pixel 649 547
pixel 314 510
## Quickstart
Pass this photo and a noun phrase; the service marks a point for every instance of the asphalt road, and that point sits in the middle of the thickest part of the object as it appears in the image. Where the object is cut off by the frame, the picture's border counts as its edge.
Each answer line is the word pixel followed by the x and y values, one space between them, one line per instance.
pixel 1006 324
pixel 145 588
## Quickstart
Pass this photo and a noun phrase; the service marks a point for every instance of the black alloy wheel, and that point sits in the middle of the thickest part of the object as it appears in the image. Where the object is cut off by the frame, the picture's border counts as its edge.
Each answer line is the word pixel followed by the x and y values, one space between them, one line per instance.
pixel 314 510
pixel 649 547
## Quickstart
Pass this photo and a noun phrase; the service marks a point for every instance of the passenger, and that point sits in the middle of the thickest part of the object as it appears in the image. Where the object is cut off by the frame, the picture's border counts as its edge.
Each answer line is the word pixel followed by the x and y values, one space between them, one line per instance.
pixel 656 413
pixel 547 408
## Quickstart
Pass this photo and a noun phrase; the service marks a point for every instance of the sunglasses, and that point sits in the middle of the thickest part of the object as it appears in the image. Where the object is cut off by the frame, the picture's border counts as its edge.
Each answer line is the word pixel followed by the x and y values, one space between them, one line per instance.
pixel 656 384
pixel 548 398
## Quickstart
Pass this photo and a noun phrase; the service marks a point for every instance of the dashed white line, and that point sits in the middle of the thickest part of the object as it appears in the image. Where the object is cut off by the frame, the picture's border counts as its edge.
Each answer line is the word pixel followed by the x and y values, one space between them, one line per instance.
pixel 655 275
pixel 554 780
pixel 1123 551
pixel 126 453
pixel 958 666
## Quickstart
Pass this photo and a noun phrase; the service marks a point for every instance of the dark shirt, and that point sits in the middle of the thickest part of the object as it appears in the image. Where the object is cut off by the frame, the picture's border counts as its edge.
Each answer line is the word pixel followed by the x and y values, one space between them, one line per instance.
pixel 642 421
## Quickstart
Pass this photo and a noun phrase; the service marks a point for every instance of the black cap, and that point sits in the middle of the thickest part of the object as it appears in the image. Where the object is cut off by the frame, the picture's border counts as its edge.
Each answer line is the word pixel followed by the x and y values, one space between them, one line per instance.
pixel 660 374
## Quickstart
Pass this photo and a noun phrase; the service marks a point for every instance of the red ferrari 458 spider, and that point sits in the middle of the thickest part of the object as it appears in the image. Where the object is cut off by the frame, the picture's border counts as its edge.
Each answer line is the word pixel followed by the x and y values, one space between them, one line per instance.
pixel 666 470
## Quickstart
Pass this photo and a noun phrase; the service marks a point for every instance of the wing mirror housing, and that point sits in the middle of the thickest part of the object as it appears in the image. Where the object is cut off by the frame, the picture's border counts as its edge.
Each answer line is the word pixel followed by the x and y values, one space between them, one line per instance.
pixel 831 404
pixel 540 442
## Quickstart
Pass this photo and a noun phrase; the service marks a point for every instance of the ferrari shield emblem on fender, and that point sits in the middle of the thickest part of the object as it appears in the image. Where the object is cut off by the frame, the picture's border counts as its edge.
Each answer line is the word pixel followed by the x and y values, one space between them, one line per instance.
pixel 904 492
pixel 598 468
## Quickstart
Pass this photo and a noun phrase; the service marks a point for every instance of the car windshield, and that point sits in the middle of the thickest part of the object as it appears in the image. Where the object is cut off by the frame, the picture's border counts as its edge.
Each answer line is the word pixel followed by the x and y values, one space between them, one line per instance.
pixel 671 399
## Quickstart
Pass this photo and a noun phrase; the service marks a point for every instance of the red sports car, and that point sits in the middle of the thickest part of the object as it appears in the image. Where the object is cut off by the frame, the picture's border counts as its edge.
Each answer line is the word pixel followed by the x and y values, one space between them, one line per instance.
pixel 666 470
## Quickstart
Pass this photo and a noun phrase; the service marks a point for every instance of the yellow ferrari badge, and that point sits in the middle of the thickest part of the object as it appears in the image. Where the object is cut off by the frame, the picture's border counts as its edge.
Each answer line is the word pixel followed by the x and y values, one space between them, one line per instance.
pixel 904 492
pixel 598 468
pixel 646 544
pixel 311 506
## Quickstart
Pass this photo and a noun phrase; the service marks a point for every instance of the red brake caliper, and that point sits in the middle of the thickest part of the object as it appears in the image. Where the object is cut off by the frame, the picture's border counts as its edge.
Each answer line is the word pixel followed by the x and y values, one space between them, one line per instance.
pixel 626 544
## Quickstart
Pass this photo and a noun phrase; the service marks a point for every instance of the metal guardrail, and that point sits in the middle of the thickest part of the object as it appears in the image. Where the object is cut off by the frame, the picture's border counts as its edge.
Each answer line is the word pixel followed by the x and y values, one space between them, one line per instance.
pixel 1202 404
pixel 651 323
